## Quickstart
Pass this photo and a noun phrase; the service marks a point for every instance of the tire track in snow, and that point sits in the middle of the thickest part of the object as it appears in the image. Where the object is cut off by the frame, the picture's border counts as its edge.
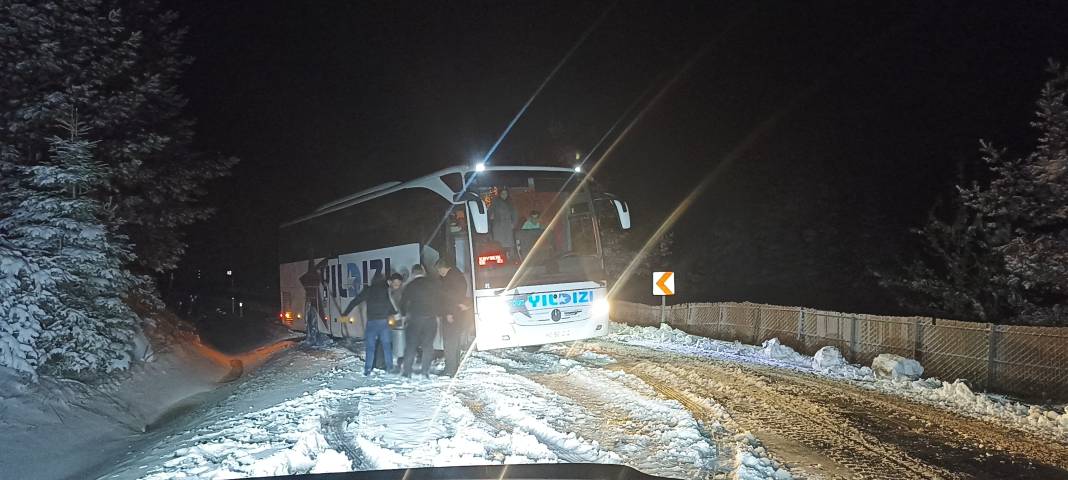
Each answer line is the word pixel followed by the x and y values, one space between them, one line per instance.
pixel 619 413
pixel 625 421
pixel 513 403
pixel 795 419
pixel 909 434
pixel 334 431
pixel 974 447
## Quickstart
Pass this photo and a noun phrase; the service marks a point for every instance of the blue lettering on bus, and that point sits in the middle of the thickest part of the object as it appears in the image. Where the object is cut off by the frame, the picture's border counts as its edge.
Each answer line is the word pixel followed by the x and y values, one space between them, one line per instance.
pixel 333 277
pixel 353 272
pixel 545 300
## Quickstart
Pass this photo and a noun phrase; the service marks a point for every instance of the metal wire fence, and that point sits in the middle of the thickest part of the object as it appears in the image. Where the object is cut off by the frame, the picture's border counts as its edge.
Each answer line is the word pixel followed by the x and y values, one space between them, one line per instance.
pixel 1021 360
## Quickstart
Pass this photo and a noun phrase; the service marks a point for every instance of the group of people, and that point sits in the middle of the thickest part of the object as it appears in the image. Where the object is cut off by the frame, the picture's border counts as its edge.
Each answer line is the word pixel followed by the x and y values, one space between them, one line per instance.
pixel 421 303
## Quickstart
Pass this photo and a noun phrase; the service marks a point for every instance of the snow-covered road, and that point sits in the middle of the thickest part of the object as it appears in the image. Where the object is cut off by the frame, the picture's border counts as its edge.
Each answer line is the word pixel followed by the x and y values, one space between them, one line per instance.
pixel 688 409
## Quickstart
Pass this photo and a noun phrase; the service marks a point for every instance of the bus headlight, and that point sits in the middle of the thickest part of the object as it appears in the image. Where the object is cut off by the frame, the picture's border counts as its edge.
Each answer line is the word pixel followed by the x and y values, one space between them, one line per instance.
pixel 601 307
pixel 494 309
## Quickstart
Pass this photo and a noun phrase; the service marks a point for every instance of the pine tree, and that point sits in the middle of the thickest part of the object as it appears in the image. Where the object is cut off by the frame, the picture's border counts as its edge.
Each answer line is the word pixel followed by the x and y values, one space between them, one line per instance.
pixel 65 312
pixel 24 287
pixel 1005 255
pixel 120 61
pixel 957 273
pixel 1025 209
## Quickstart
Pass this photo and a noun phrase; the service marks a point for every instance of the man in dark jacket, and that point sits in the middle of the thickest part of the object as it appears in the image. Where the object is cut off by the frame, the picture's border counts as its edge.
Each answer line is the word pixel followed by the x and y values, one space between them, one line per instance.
pixel 457 310
pixel 420 304
pixel 379 309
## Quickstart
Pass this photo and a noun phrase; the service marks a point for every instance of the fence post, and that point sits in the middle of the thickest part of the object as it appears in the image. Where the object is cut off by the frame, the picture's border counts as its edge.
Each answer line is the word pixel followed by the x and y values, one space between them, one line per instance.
pixel 801 326
pixel 991 355
pixel 757 323
pixel 853 337
pixel 719 320
pixel 917 324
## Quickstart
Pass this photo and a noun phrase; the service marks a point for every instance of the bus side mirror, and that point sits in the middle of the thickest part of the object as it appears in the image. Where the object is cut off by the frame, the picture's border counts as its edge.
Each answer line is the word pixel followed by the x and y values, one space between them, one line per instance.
pixel 476 211
pixel 623 210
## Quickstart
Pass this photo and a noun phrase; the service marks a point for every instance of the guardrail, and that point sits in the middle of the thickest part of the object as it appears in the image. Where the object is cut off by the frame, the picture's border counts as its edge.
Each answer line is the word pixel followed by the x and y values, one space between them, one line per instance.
pixel 1021 360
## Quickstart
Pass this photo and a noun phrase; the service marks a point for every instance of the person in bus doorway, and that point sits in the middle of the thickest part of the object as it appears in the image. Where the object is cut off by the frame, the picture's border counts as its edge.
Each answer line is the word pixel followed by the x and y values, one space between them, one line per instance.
pixel 456 308
pixel 420 305
pixel 502 222
pixel 396 287
pixel 379 309
pixel 397 328
pixel 533 221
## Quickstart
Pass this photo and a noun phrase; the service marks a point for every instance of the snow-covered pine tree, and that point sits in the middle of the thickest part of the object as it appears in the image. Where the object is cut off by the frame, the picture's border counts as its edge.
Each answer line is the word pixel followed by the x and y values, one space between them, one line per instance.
pixel 957 273
pixel 1025 210
pixel 119 60
pixel 24 287
pixel 64 267
pixel 1004 258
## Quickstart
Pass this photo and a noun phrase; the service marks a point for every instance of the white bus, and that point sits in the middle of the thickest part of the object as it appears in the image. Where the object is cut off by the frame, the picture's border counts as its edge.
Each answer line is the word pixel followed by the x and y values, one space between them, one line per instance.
pixel 546 284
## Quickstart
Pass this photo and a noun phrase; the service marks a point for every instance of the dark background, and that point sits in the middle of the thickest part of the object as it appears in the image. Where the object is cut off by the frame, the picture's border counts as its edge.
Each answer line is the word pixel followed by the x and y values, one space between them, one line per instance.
pixel 846 123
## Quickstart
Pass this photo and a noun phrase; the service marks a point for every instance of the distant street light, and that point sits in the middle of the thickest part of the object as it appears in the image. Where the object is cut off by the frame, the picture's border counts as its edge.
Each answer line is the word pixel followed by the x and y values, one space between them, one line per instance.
pixel 230 275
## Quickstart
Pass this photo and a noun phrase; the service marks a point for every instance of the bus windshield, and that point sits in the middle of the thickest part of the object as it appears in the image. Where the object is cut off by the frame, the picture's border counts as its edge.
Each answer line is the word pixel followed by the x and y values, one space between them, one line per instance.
pixel 542 230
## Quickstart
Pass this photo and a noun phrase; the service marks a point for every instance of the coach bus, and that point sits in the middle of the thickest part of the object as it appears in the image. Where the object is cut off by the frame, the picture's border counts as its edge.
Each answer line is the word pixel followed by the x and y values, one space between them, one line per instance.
pixel 543 283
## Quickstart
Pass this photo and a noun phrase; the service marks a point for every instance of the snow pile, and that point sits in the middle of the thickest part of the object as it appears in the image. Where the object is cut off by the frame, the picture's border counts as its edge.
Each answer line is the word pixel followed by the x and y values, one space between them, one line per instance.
pixel 958 396
pixel 827 358
pixel 776 350
pixel 772 352
pixel 830 362
pixel 896 367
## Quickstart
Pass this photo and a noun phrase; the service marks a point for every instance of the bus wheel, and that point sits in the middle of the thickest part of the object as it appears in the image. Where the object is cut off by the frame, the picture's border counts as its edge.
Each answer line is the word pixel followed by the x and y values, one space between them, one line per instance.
pixel 532 348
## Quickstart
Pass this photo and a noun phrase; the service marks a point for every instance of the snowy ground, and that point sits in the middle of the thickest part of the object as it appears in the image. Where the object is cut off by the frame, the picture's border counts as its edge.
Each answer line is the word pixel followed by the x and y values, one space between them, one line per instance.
pixel 63 428
pixel 656 399
pixel 314 412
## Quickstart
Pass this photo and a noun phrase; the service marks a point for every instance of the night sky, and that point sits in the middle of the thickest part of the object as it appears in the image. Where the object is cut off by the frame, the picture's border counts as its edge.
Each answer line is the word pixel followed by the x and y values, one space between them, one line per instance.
pixel 865 117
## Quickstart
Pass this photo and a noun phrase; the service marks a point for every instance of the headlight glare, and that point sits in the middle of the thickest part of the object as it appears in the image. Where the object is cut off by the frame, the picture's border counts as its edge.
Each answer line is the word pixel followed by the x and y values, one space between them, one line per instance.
pixel 601 307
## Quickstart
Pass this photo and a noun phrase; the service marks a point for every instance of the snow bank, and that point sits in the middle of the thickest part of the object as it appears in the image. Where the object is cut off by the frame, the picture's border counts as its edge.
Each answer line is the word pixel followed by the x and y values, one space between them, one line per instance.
pixel 827 358
pixel 828 362
pixel 775 350
pixel 60 428
pixel 888 365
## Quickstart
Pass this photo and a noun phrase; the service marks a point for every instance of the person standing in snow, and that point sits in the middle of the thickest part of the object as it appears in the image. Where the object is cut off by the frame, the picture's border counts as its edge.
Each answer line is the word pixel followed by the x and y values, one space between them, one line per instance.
pixel 456 308
pixel 502 222
pixel 420 304
pixel 379 309
pixel 312 283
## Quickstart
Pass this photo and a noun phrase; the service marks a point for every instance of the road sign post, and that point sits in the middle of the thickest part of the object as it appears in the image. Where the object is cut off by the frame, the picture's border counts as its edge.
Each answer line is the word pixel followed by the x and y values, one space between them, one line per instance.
pixel 663 285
